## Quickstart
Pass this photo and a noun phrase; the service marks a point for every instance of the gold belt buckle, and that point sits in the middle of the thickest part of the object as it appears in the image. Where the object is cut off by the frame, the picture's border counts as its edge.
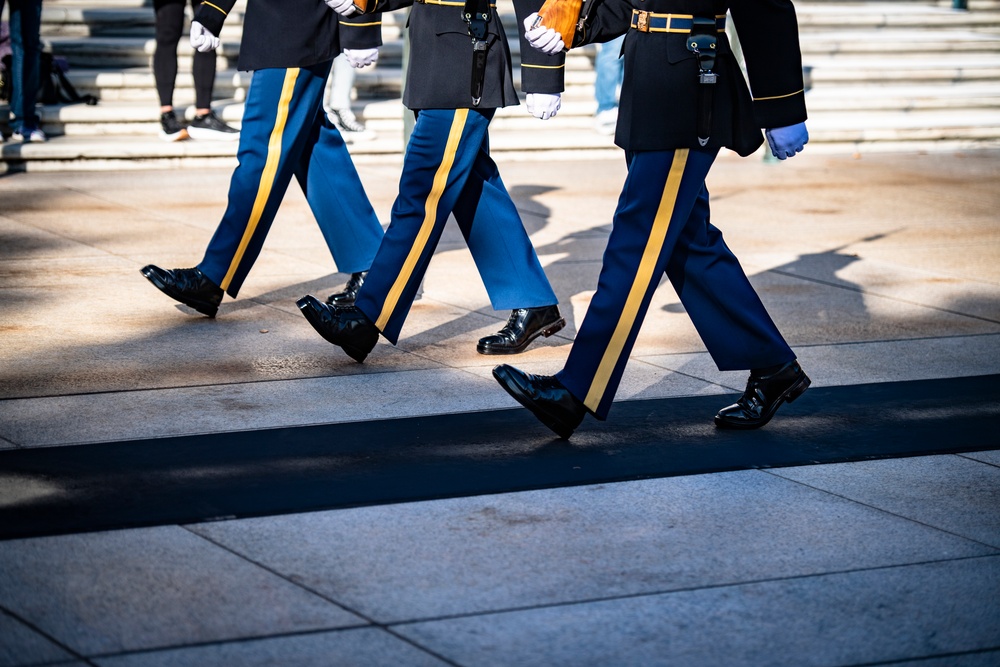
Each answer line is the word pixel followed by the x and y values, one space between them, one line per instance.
pixel 642 22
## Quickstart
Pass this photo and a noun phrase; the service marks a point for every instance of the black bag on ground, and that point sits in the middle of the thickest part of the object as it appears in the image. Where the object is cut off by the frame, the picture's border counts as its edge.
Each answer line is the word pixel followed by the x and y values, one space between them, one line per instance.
pixel 54 87
pixel 5 73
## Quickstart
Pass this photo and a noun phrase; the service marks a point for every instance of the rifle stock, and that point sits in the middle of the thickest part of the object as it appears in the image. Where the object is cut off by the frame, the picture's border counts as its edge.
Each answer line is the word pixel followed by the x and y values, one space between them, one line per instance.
pixel 562 16
pixel 363 5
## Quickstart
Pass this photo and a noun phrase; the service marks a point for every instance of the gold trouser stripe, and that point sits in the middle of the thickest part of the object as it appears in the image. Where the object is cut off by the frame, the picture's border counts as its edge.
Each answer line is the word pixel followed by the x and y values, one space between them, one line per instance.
pixel 641 282
pixel 543 66
pixel 267 175
pixel 430 217
pixel 359 25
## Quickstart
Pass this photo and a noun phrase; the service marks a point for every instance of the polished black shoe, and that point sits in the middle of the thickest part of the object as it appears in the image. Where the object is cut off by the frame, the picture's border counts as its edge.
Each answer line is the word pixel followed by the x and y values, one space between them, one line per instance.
pixel 545 396
pixel 345 326
pixel 189 286
pixel 763 396
pixel 350 292
pixel 524 326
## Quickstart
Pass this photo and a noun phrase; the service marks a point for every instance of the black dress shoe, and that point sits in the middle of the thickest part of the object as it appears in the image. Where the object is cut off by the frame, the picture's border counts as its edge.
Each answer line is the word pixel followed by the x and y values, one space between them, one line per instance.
pixel 545 396
pixel 350 292
pixel 763 396
pixel 347 327
pixel 524 326
pixel 189 286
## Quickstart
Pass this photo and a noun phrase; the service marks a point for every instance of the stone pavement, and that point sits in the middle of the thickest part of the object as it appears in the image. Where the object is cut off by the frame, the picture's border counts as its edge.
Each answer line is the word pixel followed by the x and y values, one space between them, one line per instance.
pixel 879 269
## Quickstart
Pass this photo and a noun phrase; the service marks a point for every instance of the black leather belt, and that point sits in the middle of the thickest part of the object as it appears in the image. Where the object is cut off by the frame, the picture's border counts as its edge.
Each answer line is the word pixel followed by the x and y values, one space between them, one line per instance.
pixel 676 23
pixel 448 3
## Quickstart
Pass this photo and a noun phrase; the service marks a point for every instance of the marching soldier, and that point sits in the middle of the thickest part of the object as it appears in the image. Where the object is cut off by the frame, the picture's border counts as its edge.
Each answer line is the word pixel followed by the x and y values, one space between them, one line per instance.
pixel 683 98
pixel 289 45
pixel 459 74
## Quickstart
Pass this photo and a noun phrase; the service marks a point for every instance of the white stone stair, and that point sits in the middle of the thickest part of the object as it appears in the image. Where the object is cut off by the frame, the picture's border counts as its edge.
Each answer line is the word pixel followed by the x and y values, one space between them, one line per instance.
pixel 881 76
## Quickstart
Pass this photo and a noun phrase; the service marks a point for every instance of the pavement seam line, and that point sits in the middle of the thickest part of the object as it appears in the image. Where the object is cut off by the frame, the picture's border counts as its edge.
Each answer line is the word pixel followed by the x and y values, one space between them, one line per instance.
pixel 859 290
pixel 370 621
pixel 776 473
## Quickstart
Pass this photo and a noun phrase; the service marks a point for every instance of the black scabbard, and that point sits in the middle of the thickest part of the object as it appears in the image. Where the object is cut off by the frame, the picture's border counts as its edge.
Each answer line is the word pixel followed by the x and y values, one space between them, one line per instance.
pixel 477 15
pixel 703 43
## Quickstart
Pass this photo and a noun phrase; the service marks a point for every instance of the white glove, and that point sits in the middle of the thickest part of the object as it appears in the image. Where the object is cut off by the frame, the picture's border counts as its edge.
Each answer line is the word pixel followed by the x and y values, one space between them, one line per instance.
pixel 202 40
pixel 342 7
pixel 546 40
pixel 361 57
pixel 544 105
pixel 785 142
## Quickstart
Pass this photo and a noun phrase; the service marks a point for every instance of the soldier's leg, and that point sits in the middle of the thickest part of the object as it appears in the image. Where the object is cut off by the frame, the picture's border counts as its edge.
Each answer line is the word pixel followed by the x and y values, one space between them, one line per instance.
pixel 277 121
pixel 499 244
pixel 720 300
pixel 656 201
pixel 442 149
pixel 337 198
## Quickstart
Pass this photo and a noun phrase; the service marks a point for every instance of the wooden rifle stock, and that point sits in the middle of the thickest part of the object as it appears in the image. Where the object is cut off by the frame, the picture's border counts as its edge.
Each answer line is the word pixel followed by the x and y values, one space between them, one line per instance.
pixel 562 16
pixel 363 5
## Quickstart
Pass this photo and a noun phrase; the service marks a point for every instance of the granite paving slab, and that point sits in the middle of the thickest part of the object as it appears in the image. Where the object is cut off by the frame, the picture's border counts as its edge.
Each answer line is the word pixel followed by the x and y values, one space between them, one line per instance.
pixel 367 647
pixel 868 617
pixel 857 363
pixel 127 590
pixel 22 243
pixel 268 472
pixel 20 645
pixel 993 457
pixel 489 553
pixel 951 493
pixel 215 408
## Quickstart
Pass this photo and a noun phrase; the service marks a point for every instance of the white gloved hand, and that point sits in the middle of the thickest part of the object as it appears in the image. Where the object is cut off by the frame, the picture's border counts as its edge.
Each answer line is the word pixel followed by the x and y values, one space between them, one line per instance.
pixel 361 57
pixel 546 40
pixel 342 7
pixel 202 40
pixel 785 142
pixel 544 105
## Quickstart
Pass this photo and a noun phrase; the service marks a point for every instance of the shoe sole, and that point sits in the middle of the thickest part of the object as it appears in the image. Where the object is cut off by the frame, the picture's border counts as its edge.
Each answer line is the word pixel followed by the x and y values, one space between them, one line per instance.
pixel 515 392
pixel 212 135
pixel 305 305
pixel 178 136
pixel 788 396
pixel 546 331
pixel 202 307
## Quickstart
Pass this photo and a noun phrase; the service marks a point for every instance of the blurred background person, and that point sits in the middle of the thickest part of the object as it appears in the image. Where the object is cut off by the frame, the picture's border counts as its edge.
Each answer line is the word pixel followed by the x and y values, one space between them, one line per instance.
pixel 206 125
pixel 339 91
pixel 25 23
pixel 610 69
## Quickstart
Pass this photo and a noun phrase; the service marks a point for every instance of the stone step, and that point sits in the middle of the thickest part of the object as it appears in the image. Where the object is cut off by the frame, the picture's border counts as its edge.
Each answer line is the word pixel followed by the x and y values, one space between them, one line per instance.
pixel 884 17
pixel 141 118
pixel 120 52
pixel 899 43
pixel 942 69
pixel 560 140
pixel 883 76
pixel 108 17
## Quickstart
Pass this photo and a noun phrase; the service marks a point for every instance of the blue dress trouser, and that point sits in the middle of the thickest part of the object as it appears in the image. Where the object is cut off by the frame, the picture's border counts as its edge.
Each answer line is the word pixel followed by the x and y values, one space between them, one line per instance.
pixel 26 51
pixel 662 226
pixel 447 169
pixel 286 132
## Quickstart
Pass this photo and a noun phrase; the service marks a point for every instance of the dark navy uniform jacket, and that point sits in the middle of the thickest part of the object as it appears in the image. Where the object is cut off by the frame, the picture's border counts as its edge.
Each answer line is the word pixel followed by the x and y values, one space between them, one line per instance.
pixel 658 109
pixel 439 73
pixel 310 32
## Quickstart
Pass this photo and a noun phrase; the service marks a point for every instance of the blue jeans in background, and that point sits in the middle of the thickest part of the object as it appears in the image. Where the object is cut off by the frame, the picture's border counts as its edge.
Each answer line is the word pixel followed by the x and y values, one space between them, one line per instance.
pixel 609 69
pixel 26 49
